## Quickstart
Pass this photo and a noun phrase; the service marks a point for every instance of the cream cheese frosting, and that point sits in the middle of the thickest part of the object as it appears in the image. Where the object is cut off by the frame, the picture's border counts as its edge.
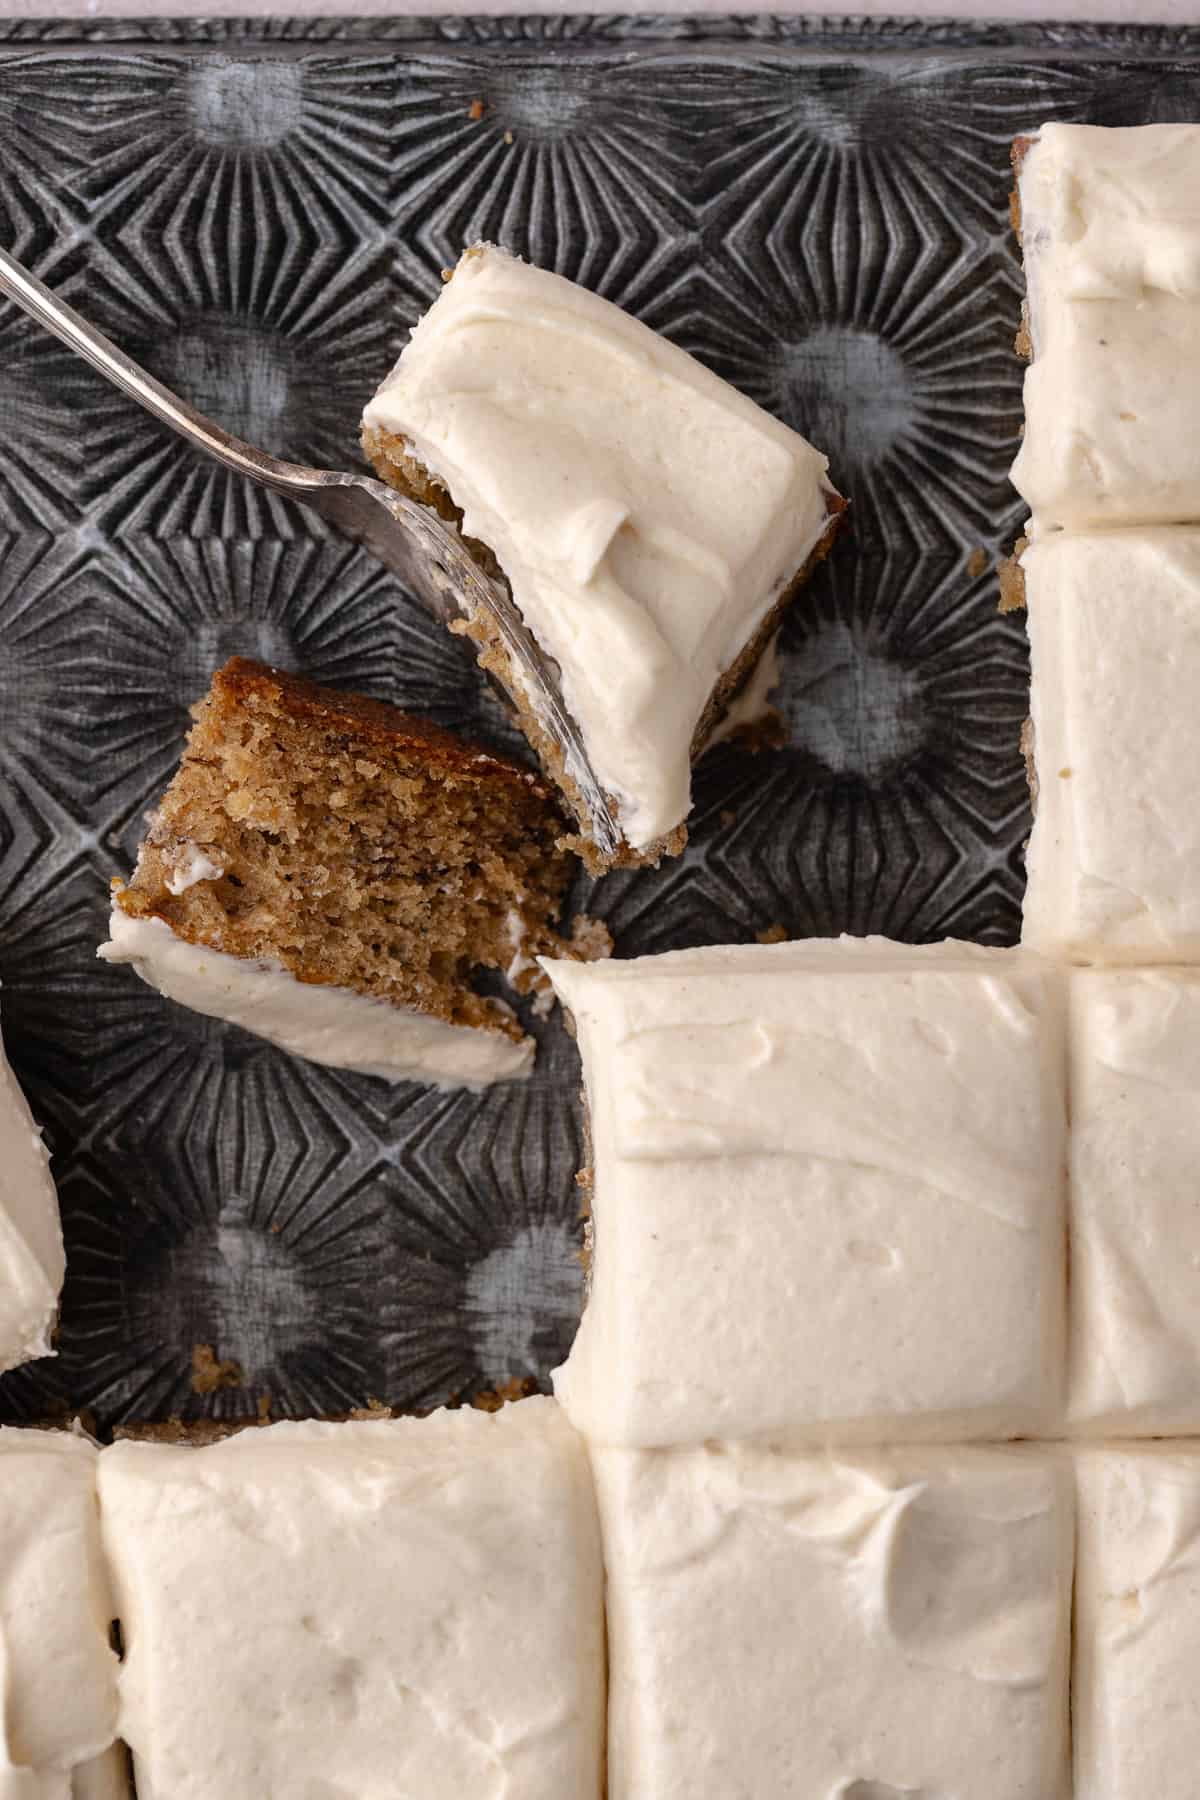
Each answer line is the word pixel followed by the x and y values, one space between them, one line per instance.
pixel 817 1165
pixel 646 514
pixel 1135 1225
pixel 403 1608
pixel 194 865
pixel 1111 233
pixel 1114 858
pixel 32 1262
pixel 1137 1624
pixel 331 1025
pixel 883 1626
pixel 59 1673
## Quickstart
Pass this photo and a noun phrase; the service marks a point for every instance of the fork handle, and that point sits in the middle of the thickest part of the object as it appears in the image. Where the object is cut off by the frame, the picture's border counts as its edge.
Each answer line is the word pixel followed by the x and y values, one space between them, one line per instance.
pixel 55 316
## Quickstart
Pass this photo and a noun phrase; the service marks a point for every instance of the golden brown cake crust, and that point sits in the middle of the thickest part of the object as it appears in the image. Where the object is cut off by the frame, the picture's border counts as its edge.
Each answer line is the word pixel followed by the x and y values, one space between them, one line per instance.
pixel 198 1434
pixel 1019 150
pixel 1012 578
pixel 1012 599
pixel 1029 755
pixel 241 681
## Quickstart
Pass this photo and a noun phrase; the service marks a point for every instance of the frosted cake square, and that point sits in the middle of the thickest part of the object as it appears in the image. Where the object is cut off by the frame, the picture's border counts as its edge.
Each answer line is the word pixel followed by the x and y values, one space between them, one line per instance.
pixel 828 1194
pixel 56 1612
pixel 1110 225
pixel 1114 856
pixel 410 1607
pixel 1137 1624
pixel 866 1627
pixel 652 522
pixel 1135 1202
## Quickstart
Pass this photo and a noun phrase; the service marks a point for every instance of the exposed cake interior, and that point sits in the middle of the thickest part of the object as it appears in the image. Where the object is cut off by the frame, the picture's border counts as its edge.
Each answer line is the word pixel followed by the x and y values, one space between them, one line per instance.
pixel 354 846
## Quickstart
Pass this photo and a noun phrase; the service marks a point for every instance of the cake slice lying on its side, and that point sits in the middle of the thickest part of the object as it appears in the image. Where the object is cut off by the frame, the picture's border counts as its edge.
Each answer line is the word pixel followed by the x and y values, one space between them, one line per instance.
pixel 814 1165
pixel 1109 220
pixel 330 873
pixel 651 522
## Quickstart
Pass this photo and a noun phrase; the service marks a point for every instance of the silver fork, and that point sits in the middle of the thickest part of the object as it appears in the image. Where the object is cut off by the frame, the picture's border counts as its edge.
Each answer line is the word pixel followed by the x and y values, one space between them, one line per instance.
pixel 411 540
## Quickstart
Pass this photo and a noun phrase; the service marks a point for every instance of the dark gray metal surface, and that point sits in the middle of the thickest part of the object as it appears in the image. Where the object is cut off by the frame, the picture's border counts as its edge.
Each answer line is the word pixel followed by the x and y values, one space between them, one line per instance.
pixel 258 211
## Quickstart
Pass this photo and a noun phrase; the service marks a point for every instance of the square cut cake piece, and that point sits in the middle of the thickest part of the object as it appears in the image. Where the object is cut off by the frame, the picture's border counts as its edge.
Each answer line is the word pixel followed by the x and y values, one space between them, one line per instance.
pixel 331 873
pixel 1134 1202
pixel 411 1608
pixel 56 1613
pixel 871 1626
pixel 1110 224
pixel 1137 1623
pixel 32 1262
pixel 1114 856
pixel 828 1194
pixel 652 522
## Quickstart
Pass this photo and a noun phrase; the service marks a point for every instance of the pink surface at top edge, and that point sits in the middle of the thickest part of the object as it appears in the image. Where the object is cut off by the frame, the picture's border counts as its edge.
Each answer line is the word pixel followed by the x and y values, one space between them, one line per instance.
pixel 1127 12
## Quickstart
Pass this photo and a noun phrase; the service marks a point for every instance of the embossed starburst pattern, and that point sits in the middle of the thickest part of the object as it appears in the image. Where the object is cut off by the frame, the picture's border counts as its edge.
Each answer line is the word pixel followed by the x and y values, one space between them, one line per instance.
pixel 259 210
pixel 278 358
pixel 590 177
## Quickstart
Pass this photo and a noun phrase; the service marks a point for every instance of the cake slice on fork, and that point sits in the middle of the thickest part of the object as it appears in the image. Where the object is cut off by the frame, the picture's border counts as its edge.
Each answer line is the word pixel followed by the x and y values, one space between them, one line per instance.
pixel 1109 221
pixel 652 523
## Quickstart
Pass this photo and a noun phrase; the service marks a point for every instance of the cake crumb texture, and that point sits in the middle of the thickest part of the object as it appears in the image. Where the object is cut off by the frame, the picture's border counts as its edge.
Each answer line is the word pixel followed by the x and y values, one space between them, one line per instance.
pixel 356 846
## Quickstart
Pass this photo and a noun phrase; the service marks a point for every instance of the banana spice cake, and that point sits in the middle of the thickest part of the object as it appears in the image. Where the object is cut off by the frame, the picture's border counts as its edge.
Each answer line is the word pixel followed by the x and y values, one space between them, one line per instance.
pixel 330 873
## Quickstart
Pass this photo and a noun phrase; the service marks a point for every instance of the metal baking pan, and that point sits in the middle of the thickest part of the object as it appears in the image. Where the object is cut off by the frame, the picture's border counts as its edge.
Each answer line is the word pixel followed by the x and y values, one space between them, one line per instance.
pixel 259 210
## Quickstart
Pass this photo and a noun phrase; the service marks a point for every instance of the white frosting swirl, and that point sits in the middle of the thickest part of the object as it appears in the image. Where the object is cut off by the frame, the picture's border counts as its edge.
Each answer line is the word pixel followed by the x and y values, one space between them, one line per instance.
pixel 900 1621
